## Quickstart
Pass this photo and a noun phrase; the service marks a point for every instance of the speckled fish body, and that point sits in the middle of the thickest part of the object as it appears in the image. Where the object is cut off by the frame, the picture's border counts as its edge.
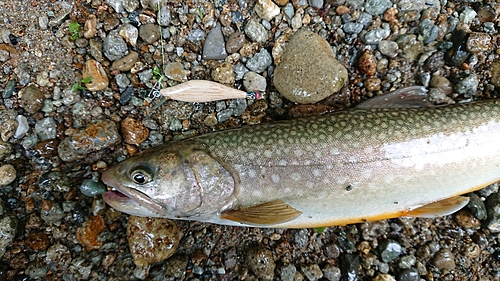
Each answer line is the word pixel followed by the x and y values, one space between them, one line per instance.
pixel 336 169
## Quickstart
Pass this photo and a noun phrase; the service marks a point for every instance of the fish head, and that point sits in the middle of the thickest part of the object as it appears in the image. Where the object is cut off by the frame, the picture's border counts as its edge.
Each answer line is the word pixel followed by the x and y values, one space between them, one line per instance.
pixel 176 180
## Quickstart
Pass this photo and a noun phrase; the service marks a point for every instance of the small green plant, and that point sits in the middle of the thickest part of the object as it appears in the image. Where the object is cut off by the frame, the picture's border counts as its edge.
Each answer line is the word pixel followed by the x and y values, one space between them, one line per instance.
pixel 320 230
pixel 74 30
pixel 81 85
pixel 157 75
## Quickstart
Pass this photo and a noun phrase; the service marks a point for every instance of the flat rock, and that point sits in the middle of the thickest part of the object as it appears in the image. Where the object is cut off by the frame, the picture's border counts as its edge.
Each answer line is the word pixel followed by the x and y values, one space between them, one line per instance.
pixel 308 71
pixel 93 69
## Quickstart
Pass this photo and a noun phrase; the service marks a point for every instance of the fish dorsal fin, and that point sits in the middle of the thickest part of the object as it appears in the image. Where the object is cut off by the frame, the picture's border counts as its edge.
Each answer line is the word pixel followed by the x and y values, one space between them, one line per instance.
pixel 269 213
pixel 409 97
pixel 440 208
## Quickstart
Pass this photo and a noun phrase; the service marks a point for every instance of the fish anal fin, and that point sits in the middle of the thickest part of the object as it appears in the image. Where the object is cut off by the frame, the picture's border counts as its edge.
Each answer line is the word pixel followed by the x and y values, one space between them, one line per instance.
pixel 440 208
pixel 268 213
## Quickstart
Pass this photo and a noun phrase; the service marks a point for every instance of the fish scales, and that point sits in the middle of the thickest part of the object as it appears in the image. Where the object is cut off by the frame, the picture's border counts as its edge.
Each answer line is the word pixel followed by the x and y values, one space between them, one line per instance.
pixel 358 165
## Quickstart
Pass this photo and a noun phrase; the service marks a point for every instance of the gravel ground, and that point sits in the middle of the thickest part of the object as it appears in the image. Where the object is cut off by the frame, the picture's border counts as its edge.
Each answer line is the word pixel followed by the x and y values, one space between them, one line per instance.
pixel 59 131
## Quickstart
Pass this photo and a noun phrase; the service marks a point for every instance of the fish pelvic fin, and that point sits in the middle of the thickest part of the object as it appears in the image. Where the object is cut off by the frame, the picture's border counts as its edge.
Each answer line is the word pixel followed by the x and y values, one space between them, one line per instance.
pixel 265 214
pixel 440 208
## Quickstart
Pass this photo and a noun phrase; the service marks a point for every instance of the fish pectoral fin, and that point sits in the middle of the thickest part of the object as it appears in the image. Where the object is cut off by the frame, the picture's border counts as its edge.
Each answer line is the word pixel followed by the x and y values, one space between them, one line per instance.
pixel 269 213
pixel 409 97
pixel 440 208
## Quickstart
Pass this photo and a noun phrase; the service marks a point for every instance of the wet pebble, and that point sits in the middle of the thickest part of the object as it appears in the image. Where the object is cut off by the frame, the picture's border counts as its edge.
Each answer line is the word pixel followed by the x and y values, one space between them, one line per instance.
pixel 260 261
pixel 58 258
pixel 133 131
pixel 90 27
pixel 312 272
pixel 95 137
pixel 266 9
pixel 495 72
pixel 9 89
pixel 253 82
pixel 95 50
pixel 487 191
pixel 349 264
pixel 479 42
pixel 372 84
pixel 51 212
pixel 176 71
pixel 410 46
pixel 375 36
pixel 332 273
pixel 32 99
pixel 444 260
pixel 256 32
pixel 428 30
pixel 377 7
pixel 8 226
pixel 367 63
pixel 129 33
pixel 46 129
pixel 260 61
pixel 91 188
pixel 149 33
pixel 288 272
pixel 457 54
pixel 223 73
pixel 383 277
pixel 214 47
pixel 306 58
pixel 235 42
pixel 7 129
pixel 90 230
pixel 38 240
pixel 468 85
pixel 477 207
pixel 114 47
pixel 94 70
pixel 151 240
pixel 407 262
pixel 164 16
pixel 389 250
pixel 408 275
pixel 5 149
pixel 388 48
pixel 7 174
pixel 47 148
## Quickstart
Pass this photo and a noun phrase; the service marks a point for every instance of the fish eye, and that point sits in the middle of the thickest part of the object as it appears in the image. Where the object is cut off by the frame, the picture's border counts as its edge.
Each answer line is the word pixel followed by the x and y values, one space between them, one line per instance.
pixel 140 176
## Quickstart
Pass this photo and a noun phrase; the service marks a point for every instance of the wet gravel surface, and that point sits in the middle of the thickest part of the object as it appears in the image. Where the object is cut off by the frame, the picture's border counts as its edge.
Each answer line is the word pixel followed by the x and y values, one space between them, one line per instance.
pixel 59 131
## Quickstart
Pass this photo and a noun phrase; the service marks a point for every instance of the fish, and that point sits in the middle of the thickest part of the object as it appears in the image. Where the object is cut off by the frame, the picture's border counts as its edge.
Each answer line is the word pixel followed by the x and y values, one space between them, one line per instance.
pixel 364 164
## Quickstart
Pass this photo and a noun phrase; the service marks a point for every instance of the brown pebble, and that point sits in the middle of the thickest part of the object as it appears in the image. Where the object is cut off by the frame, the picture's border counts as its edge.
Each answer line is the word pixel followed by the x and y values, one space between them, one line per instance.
pixel 87 235
pixel 235 42
pixel 340 10
pixel 444 260
pixel 438 81
pixel 32 99
pixel 126 63
pixel 133 131
pixel 372 84
pixel 131 149
pixel 304 110
pixel 471 250
pixel 38 240
pixel 465 219
pixel 479 42
pixel 281 2
pixel 151 240
pixel 367 63
pixel 93 69
pixel 223 73
pixel 109 259
pixel 7 129
pixel 47 148
pixel 19 261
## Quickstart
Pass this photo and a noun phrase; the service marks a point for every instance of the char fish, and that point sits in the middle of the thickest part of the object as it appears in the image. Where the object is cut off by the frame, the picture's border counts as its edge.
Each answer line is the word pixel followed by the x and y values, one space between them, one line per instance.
pixel 358 165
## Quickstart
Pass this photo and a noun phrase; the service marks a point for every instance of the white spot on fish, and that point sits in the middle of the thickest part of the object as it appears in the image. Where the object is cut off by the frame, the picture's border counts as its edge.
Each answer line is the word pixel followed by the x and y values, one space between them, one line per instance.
pixel 252 173
pixel 317 172
pixel 295 176
pixel 268 153
pixel 298 152
pixel 309 184
pixel 275 178
pixel 282 162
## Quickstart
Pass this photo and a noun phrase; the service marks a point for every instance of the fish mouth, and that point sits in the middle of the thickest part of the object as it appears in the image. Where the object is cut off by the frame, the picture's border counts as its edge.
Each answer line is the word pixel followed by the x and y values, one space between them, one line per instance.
pixel 128 200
